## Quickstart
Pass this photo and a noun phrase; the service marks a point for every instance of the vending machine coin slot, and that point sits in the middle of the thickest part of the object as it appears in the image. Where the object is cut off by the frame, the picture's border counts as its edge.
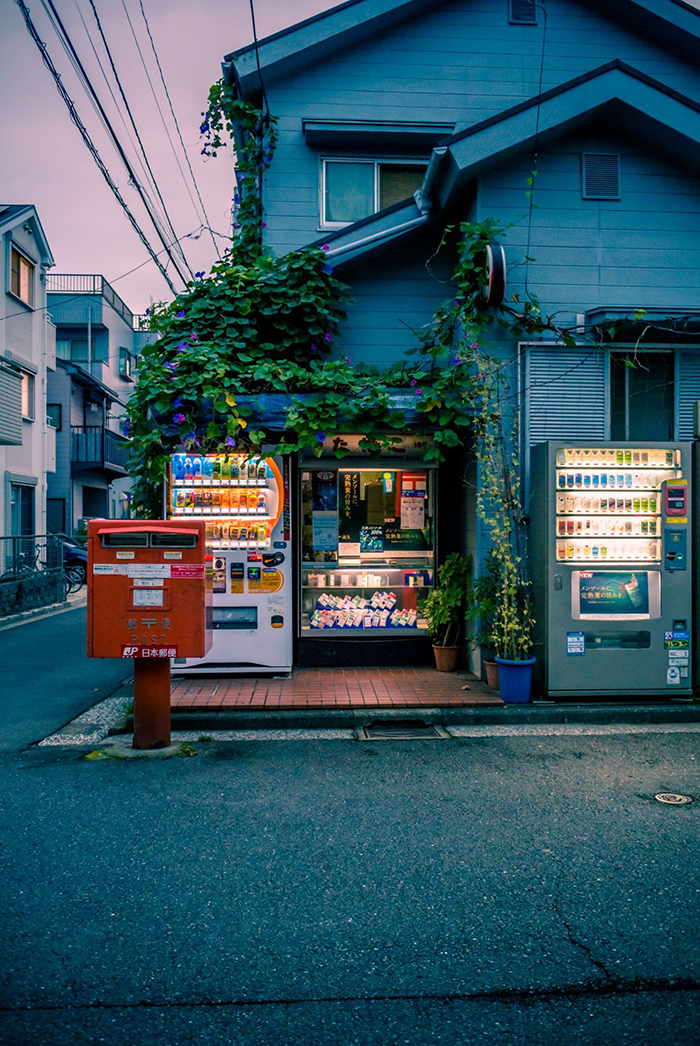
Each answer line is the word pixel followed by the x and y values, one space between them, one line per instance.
pixel 676 549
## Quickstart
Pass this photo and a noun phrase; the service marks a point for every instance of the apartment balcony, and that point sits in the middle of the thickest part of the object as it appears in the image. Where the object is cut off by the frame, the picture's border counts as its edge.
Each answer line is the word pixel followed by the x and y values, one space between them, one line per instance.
pixel 74 296
pixel 99 449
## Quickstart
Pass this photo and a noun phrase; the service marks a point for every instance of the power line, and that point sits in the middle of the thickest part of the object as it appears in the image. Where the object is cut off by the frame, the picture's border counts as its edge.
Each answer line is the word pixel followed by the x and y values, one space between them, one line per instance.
pixel 88 141
pixel 169 224
pixel 175 120
pixel 107 83
pixel 112 134
pixel 257 57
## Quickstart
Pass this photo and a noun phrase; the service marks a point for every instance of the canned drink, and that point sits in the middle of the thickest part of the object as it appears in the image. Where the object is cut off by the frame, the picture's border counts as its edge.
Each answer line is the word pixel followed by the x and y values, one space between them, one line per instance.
pixel 586 551
pixel 645 457
pixel 578 479
pixel 569 479
pixel 569 551
pixel 620 457
pixel 561 479
pixel 603 551
pixel 595 551
pixel 603 479
pixel 561 550
pixel 636 504
pixel 628 527
pixel 628 504
pixel 652 504
pixel 620 482
pixel 635 457
pixel 586 479
pixel 570 504
pixel 628 479
pixel 603 504
pixel 628 457
pixel 561 527
pixel 595 479
pixel 579 526
pixel 645 527
pixel 569 526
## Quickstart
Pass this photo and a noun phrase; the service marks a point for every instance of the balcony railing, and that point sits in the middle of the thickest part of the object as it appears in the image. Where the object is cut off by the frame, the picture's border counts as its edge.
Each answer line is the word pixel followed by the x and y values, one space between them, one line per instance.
pixel 96 447
pixel 85 284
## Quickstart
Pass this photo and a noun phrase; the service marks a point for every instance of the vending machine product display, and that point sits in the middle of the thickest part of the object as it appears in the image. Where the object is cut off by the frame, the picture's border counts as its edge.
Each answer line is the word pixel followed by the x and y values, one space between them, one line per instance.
pixel 245 503
pixel 611 570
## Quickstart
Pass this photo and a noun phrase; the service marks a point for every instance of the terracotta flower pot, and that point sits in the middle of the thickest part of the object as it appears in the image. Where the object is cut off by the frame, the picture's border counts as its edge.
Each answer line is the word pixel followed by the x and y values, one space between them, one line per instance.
pixel 492 679
pixel 446 658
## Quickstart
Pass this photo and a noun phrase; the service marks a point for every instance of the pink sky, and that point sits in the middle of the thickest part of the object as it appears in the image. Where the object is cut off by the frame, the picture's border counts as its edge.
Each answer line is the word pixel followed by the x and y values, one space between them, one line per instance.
pixel 48 164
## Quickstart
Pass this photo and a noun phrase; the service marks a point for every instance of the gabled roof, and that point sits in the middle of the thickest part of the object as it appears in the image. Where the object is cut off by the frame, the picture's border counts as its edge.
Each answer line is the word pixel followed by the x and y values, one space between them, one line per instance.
pixel 638 102
pixel 12 214
pixel 671 21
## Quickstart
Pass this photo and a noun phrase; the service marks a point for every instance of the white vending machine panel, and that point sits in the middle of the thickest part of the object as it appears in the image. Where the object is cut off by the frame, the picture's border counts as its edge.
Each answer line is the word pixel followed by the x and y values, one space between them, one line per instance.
pixel 245 502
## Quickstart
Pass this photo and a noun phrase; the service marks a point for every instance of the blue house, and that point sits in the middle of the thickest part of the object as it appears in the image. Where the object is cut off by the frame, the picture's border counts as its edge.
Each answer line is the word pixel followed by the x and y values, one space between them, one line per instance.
pixel 399 117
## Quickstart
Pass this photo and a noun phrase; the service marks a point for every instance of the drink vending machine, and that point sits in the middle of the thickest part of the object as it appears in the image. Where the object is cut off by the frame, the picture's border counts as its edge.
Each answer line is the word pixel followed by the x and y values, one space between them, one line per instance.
pixel 245 504
pixel 611 568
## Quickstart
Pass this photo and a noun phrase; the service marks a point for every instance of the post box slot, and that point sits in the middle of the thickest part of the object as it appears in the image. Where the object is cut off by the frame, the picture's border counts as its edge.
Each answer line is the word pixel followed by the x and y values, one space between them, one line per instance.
pixel 125 539
pixel 175 539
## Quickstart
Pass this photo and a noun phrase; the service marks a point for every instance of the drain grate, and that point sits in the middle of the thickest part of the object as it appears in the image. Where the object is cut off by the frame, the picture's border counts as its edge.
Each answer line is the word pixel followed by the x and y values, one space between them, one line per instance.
pixel 402 730
pixel 673 798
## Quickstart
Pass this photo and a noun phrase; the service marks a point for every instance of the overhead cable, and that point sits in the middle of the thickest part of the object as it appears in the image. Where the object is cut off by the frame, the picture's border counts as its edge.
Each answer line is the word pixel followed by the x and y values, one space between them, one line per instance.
pixel 130 114
pixel 112 134
pixel 31 28
pixel 175 120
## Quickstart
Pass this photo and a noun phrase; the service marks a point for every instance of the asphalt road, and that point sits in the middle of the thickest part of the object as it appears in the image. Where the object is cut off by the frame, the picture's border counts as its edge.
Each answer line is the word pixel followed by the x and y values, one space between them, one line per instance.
pixel 515 890
pixel 46 678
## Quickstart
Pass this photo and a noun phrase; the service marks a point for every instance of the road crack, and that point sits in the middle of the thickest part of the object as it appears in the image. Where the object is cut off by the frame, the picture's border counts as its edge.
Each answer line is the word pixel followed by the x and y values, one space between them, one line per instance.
pixel 574 940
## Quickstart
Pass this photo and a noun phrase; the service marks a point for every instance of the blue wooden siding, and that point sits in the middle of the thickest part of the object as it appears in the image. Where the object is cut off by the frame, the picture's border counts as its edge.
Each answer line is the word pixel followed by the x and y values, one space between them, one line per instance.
pixel 459 64
pixel 642 250
pixel 392 292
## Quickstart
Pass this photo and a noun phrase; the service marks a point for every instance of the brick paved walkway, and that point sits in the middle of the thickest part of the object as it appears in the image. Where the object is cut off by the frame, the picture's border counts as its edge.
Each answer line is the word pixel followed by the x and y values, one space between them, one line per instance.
pixel 334 688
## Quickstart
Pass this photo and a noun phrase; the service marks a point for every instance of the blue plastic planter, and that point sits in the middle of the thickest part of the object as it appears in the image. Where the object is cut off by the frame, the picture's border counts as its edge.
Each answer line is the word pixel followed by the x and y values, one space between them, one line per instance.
pixel 515 680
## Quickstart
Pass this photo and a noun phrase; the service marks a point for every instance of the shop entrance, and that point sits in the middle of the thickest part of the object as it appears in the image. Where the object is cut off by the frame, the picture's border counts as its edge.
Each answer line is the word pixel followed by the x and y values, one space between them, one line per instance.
pixel 367 557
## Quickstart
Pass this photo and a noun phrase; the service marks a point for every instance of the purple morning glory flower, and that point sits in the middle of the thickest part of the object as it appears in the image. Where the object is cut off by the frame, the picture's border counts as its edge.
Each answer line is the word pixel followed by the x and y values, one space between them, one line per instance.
pixel 178 418
pixel 263 225
pixel 203 128
pixel 198 443
pixel 178 402
pixel 347 359
pixel 328 270
pixel 414 381
pixel 236 199
pixel 314 347
pixel 199 276
pixel 419 392
pixel 454 361
pixel 328 337
pixel 230 441
pixel 474 346
pixel 179 350
pixel 173 378
pixel 148 312
pixel 193 337
pixel 190 436
pixel 321 437
pixel 325 247
pixel 181 314
pixel 204 152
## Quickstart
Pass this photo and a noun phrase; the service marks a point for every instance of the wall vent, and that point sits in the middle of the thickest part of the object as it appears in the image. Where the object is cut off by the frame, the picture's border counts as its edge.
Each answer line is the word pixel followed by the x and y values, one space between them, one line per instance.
pixel 522 12
pixel 600 176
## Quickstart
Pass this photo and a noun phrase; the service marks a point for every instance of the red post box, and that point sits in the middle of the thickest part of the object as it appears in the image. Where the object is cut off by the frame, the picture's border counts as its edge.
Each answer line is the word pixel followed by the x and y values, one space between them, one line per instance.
pixel 149 599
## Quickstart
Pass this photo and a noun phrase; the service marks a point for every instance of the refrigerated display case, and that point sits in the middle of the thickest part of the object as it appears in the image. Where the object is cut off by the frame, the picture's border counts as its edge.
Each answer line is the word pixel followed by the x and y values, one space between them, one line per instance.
pixel 245 503
pixel 610 559
pixel 368 550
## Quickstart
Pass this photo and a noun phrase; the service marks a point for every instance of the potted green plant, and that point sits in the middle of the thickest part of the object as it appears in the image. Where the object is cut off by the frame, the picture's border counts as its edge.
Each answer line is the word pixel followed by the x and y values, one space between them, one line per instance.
pixel 512 634
pixel 444 610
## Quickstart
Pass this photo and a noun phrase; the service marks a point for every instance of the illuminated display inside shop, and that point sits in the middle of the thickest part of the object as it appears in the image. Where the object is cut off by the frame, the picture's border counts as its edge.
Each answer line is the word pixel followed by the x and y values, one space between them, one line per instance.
pixel 367 549
pixel 609 503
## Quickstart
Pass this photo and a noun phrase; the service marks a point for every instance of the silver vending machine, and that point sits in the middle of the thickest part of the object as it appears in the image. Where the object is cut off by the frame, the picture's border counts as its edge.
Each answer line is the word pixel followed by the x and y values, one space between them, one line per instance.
pixel 610 557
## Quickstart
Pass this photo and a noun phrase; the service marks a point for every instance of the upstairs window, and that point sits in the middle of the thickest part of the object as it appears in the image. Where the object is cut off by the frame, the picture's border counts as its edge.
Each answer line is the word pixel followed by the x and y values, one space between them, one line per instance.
pixel 126 365
pixel 21 277
pixel 354 189
pixel 27 396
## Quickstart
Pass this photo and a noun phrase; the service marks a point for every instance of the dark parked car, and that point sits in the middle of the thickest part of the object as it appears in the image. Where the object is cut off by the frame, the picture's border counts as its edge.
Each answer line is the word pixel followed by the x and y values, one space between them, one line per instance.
pixel 75 557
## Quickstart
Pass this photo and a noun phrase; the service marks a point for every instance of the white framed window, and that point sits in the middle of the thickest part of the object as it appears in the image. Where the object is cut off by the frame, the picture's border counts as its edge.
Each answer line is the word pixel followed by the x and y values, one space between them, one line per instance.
pixel 27 396
pixel 354 188
pixel 126 365
pixel 21 277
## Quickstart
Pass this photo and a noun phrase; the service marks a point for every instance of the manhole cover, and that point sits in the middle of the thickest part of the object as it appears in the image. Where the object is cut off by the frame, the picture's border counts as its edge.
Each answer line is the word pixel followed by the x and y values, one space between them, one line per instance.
pixel 673 799
pixel 403 730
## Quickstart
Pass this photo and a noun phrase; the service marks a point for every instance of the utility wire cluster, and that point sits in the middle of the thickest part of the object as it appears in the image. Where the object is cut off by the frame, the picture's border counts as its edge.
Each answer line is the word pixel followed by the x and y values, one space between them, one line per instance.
pixel 134 156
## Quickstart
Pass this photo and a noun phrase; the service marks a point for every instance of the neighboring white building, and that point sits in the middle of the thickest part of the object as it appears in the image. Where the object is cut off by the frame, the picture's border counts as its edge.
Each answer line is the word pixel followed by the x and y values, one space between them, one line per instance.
pixel 98 342
pixel 27 352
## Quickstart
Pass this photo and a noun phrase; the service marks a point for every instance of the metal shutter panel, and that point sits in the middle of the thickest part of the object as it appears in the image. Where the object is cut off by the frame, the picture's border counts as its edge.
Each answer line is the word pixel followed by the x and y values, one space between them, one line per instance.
pixel 688 392
pixel 566 394
pixel 523 12
pixel 10 405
